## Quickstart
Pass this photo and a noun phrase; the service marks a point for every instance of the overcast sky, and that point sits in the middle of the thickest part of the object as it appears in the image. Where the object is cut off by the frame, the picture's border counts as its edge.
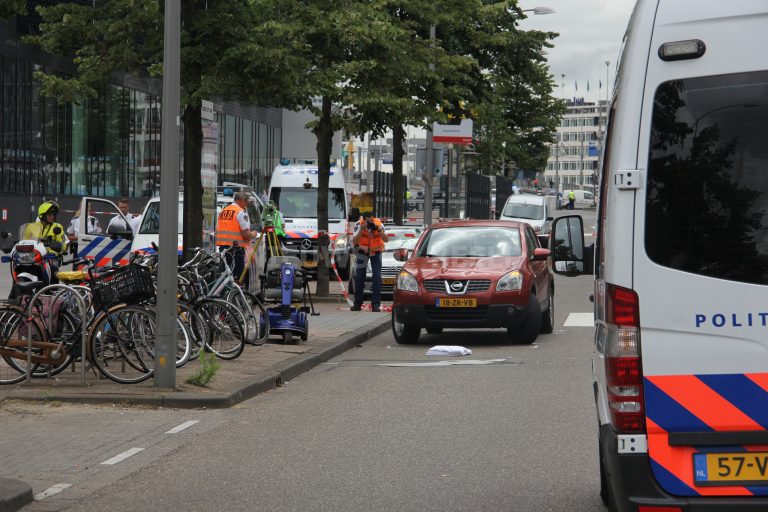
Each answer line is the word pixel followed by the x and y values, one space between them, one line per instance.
pixel 590 34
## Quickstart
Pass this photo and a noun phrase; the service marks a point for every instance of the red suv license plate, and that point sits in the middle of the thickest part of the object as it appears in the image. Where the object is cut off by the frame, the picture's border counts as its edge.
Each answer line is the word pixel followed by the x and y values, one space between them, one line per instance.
pixel 456 303
pixel 744 468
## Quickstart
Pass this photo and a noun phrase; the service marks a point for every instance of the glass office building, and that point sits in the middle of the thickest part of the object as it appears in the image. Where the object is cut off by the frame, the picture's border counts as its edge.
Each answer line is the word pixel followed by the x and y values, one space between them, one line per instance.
pixel 109 146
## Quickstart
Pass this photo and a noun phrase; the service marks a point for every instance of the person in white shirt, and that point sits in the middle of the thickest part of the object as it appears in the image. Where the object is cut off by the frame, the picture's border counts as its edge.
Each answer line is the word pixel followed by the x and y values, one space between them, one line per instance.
pixel 118 224
pixel 73 230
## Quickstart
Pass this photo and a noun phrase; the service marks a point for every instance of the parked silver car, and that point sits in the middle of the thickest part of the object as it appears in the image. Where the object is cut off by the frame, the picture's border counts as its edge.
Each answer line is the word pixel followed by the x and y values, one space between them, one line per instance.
pixel 399 237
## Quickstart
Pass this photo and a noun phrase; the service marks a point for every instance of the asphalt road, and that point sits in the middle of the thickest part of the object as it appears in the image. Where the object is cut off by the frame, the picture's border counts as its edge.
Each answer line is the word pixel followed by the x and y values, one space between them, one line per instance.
pixel 363 432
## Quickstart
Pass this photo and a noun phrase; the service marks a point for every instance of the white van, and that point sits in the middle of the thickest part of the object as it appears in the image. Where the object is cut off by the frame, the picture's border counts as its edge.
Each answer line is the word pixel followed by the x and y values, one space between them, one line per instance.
pixel 149 229
pixel 294 189
pixel 582 199
pixel 680 359
pixel 538 211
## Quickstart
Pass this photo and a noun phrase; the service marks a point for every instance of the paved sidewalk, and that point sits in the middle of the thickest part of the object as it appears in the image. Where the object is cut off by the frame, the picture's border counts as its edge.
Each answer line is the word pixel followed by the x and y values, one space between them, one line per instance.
pixel 258 369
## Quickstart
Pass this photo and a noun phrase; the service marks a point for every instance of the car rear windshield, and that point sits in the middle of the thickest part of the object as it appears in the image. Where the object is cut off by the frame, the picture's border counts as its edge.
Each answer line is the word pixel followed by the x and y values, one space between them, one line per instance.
pixel 524 211
pixel 302 202
pixel 707 192
pixel 150 223
pixel 471 242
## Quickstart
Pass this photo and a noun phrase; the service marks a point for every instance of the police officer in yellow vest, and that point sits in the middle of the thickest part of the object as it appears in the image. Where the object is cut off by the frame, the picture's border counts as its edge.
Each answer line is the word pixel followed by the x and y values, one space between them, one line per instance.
pixel 49 232
pixel 369 237
pixel 571 199
pixel 234 228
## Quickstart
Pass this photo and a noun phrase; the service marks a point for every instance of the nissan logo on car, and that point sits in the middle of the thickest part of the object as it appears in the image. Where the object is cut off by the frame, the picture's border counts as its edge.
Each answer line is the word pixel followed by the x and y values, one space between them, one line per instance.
pixel 457 286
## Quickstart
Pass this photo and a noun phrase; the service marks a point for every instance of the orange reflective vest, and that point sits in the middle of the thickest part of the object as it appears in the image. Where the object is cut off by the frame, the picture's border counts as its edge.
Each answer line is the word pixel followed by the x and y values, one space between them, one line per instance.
pixel 370 244
pixel 228 229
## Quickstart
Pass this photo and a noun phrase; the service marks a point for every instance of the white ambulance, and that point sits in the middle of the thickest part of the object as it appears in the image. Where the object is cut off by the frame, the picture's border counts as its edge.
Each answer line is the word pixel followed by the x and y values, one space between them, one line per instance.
pixel 294 189
pixel 680 359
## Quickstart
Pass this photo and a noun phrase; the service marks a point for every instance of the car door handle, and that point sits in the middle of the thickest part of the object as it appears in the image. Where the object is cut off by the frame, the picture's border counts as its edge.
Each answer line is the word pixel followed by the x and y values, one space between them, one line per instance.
pixel 87 239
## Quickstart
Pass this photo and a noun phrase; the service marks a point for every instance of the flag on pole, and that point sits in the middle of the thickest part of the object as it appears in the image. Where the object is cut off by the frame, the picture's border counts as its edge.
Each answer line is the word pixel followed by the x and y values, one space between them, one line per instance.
pixel 576 85
pixel 587 85
pixel 599 84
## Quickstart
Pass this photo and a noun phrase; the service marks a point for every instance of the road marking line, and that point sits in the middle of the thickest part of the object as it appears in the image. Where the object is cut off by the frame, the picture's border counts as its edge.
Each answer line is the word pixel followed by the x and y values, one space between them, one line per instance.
pixel 580 320
pixel 183 426
pixel 51 491
pixel 122 456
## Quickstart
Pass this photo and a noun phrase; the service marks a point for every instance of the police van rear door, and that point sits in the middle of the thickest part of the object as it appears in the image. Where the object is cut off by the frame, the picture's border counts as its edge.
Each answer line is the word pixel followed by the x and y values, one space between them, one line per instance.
pixel 701 250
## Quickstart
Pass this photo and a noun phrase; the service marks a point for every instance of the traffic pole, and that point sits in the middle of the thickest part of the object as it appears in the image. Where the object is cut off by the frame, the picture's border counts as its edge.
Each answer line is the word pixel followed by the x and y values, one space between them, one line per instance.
pixel 167 271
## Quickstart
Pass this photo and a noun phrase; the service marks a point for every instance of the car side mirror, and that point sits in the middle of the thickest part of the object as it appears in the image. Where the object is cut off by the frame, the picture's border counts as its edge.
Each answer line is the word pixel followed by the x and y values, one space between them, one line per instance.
pixel 550 218
pixel 127 234
pixel 540 254
pixel 401 255
pixel 567 245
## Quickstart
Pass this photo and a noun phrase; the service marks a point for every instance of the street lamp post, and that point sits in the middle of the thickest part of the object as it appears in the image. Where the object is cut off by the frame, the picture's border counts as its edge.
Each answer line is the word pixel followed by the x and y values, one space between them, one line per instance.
pixel 540 10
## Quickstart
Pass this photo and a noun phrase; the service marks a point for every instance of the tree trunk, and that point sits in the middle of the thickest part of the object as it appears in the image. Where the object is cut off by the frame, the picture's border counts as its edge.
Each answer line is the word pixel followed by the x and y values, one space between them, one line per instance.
pixel 324 134
pixel 398 135
pixel 193 186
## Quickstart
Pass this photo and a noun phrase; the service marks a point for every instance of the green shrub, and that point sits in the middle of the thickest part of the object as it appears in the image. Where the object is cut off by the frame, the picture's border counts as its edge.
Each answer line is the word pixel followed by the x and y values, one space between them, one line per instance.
pixel 209 365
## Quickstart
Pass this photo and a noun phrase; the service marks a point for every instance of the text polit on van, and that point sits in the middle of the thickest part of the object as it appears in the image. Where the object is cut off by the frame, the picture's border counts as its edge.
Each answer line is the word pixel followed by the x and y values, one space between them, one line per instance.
pixel 732 320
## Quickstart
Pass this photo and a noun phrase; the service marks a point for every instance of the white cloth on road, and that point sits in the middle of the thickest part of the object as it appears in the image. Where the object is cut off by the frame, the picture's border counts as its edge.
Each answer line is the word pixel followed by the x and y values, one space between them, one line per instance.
pixel 448 350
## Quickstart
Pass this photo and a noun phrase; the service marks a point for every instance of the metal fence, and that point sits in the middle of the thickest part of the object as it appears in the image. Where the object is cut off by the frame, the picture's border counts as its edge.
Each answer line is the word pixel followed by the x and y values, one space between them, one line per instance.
pixel 503 191
pixel 478 196
pixel 384 194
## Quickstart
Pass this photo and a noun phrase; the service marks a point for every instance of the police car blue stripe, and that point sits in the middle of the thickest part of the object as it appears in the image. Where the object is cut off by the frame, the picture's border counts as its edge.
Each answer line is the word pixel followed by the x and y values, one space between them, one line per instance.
pixel 670 482
pixel 742 392
pixel 86 251
pixel 669 414
pixel 111 245
pixel 121 254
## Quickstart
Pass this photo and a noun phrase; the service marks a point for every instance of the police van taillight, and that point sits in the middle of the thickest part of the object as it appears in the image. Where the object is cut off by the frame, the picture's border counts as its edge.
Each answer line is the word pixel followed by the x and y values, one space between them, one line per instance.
pixel 619 335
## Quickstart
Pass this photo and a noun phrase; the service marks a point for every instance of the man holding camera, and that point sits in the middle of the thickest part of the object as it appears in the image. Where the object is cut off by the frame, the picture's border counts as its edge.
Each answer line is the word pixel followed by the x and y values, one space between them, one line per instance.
pixel 369 238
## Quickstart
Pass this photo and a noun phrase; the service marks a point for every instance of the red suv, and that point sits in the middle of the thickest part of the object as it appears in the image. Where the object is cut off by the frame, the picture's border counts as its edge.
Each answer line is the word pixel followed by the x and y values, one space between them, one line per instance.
pixel 475 273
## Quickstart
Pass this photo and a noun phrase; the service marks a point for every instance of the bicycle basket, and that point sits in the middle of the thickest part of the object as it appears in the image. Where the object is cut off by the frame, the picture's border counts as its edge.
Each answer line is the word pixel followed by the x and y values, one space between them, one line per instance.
pixel 130 284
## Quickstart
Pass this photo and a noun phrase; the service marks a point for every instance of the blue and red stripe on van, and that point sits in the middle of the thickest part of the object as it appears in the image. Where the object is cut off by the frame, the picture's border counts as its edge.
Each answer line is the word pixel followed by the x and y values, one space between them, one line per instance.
pixel 701 403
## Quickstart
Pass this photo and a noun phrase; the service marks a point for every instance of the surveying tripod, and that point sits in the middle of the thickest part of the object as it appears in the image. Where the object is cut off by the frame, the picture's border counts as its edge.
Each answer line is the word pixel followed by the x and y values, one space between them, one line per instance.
pixel 273 243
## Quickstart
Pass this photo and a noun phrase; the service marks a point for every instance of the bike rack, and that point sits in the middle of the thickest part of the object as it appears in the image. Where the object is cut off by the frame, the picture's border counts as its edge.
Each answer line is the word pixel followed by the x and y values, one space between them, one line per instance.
pixel 83 312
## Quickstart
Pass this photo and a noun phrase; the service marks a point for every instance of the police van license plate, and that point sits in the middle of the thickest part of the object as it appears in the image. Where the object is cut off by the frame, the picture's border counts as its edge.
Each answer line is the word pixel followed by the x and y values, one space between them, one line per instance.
pixel 388 280
pixel 309 264
pixel 745 468
pixel 456 303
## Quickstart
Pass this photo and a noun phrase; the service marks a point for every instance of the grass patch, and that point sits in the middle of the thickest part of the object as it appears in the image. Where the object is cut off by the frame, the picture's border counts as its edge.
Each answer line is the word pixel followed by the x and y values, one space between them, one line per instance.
pixel 209 365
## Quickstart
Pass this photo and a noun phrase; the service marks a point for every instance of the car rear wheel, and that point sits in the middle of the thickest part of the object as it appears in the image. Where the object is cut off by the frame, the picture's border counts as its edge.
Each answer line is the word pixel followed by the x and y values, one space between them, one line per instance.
pixel 528 330
pixel 434 330
pixel 548 316
pixel 404 334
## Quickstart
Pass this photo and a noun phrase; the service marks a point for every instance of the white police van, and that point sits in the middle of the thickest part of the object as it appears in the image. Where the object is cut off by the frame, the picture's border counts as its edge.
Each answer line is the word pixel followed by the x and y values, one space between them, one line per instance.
pixel 294 189
pixel 680 359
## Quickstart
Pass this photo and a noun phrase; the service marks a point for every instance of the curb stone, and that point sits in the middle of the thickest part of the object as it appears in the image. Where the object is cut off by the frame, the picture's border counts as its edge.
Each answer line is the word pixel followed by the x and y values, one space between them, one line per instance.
pixel 14 494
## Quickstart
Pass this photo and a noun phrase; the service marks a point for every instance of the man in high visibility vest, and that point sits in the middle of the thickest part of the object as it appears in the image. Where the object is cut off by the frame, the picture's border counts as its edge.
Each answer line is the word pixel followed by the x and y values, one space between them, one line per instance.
pixel 234 228
pixel 369 238
pixel 571 199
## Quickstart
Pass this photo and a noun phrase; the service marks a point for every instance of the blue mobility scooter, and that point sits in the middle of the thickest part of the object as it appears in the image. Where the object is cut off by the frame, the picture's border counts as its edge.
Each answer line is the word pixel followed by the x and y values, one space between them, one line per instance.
pixel 285 283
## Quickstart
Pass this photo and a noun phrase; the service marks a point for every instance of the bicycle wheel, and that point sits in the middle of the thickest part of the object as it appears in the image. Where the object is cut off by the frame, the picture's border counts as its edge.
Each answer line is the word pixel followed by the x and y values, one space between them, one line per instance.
pixel 261 334
pixel 197 328
pixel 122 344
pixel 16 329
pixel 66 332
pixel 256 318
pixel 225 325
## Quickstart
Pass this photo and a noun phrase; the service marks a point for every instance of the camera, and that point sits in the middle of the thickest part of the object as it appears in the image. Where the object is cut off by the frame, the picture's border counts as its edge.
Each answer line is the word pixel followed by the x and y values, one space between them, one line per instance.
pixel 371 225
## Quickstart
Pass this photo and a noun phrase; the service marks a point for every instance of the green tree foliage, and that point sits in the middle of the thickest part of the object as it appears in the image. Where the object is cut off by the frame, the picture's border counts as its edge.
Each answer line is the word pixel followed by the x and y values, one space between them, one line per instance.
pixel 127 35
pixel 10 7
